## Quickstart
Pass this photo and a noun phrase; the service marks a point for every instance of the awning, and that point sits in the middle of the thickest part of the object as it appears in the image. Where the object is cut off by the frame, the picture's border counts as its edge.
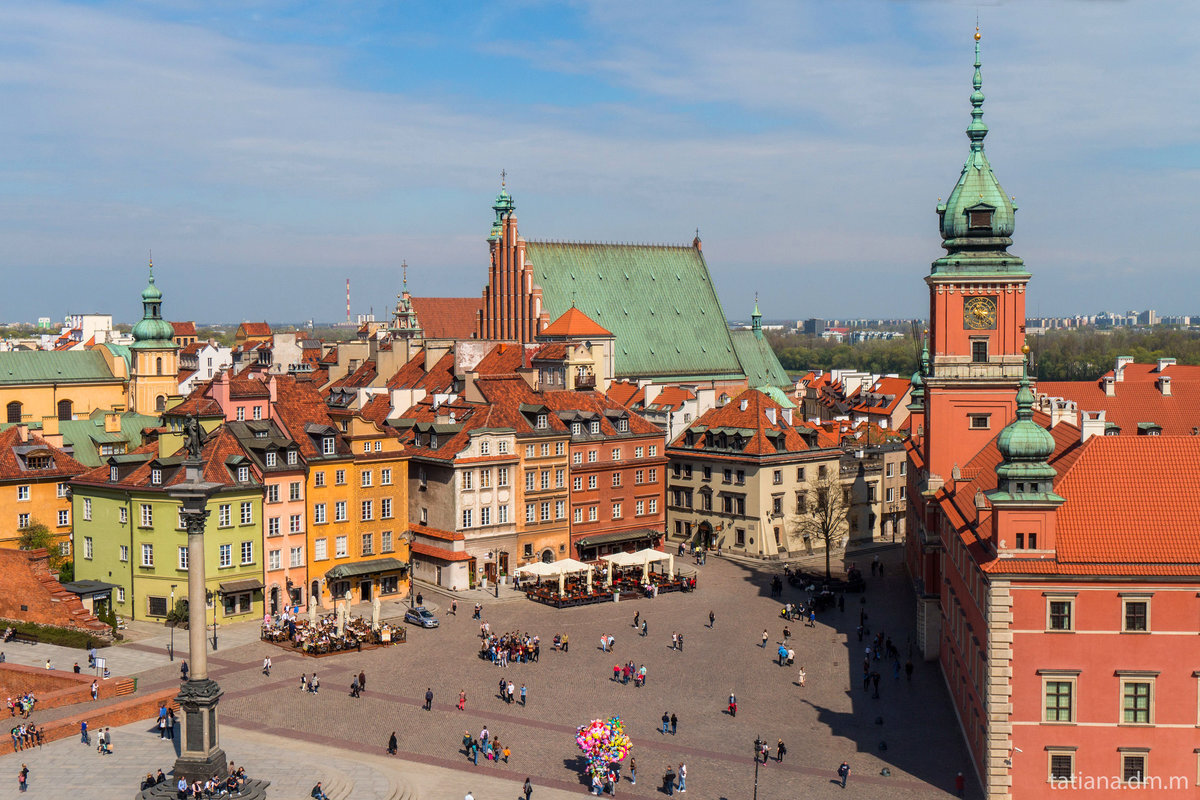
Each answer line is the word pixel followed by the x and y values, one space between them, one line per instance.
pixel 371 567
pixel 620 536
pixel 89 588
pixel 439 553
pixel 244 585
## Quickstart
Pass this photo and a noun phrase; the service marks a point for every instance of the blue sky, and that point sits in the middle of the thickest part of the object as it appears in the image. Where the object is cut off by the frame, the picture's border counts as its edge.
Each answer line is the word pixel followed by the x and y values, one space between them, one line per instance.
pixel 267 151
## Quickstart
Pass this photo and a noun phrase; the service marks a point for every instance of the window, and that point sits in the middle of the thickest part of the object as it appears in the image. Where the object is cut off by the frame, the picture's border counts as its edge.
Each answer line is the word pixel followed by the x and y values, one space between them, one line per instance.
pixel 123 552
pixel 296 557
pixel 728 476
pixel 87 508
pixel 545 479
pixel 502 447
pixel 616 479
pixel 979 219
pixel 339 477
pixel 560 509
pixel 577 483
pixel 777 505
pixel 294 491
pixel 467 518
pixel 156 606
pixel 576 427
pixel 320 550
pixel 593 513
pixel 365 478
pixel 777 477
pixel 979 422
pixel 272 526
pixel 800 473
pixel 368 544
pixel 652 506
pixel 87 547
pixel 1062 765
pixel 560 448
pixel 64 518
pixel 22 520
pixel 385 508
pixel 389 584
pixel 155 478
pixel 467 479
pixel 113 475
pixel 739 537
pixel 890 494
pixel 578 515
pixel 591 481
pixel 822 470
pixel 485 516
pixel 273 493
pixel 379 446
pixel 1137 615
pixel 593 455
pixel 224 515
pixel 638 452
pixel 1060 705
pixel 367 509
pixel 1060 611
pixel 1133 767
pixel 247 513
pixel 616 454
pixel 13 411
pixel 741 477
pixel 530 480
pixel 1136 702
pixel 543 421
pixel 560 478
pixel 979 351
pixel 616 510
pixel 274 559
pixel 424 516
pixel 147 555
pixel 147 515
pixel 530 512
pixel 652 475
pixel 272 459
pixel 385 542
pixel 294 523
pixel 327 446
pixel 341 546
pixel 530 451
pixel 576 458
pixel 319 513
pixel 502 513
pixel 623 425
pixel 319 479
pixel 594 427
pixel 422 480
pixel 484 447
pixel 385 476
pixel 502 477
pixel 545 509
pixel 640 508
pixel 653 451
pixel 225 555
pixel 241 414
pixel 366 447
pixel 243 474
pixel 339 511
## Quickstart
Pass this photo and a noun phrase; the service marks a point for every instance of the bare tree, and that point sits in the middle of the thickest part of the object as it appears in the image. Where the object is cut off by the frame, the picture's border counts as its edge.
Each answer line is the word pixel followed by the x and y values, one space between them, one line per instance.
pixel 821 515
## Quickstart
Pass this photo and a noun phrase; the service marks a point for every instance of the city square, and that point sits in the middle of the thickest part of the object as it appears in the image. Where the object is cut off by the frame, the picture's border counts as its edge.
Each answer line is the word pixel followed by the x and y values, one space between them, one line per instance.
pixel 830 720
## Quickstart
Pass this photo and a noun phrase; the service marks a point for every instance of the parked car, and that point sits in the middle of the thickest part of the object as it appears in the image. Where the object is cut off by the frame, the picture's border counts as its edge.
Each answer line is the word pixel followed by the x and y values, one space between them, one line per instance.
pixel 421 616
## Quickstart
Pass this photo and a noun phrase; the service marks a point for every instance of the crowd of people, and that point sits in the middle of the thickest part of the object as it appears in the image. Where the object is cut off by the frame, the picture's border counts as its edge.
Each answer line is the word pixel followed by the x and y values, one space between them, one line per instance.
pixel 501 649
pixel 323 637
pixel 27 735
pixel 22 705
pixel 485 745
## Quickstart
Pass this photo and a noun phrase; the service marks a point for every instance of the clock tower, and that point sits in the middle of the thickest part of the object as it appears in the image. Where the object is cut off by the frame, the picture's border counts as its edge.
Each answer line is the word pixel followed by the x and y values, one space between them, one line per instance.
pixel 976 312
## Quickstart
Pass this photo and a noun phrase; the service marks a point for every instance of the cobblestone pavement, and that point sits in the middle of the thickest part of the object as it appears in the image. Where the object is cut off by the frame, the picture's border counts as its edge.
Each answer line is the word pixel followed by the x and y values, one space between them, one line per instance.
pixel 829 720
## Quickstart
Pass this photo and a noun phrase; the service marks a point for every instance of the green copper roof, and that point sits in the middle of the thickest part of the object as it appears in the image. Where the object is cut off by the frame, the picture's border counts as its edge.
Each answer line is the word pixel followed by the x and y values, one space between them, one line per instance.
pixel 1024 447
pixel 658 300
pixel 84 436
pixel 152 332
pixel 49 366
pixel 978 218
pixel 758 360
pixel 776 394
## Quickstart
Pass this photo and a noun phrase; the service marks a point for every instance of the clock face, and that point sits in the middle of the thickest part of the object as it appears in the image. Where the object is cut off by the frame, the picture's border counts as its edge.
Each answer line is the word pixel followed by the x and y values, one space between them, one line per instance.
pixel 979 313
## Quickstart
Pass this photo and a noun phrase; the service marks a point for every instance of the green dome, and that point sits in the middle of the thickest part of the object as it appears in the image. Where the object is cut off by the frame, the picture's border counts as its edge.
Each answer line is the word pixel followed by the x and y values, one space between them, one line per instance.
pixel 1024 445
pixel 152 331
pixel 151 292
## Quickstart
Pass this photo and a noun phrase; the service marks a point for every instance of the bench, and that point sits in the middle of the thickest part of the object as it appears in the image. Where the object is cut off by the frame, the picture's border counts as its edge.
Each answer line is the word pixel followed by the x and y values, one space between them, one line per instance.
pixel 28 638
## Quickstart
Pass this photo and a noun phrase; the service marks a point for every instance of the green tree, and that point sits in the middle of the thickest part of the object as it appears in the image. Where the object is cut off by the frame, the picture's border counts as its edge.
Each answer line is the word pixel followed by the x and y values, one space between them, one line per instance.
pixel 35 536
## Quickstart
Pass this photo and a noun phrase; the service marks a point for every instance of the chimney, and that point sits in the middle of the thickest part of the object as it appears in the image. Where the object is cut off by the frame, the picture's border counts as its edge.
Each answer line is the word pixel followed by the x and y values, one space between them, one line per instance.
pixel 1163 363
pixel 49 426
pixel 23 432
pixel 1110 385
pixel 771 415
pixel 787 416
pixel 1119 371
pixel 112 422
pixel 744 404
pixel 1164 385
pixel 1092 424
pixel 1062 411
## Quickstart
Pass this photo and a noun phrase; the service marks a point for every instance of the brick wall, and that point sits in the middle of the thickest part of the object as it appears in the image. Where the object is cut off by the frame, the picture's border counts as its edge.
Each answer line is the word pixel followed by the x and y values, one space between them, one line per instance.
pixel 33 594
pixel 51 687
pixel 114 716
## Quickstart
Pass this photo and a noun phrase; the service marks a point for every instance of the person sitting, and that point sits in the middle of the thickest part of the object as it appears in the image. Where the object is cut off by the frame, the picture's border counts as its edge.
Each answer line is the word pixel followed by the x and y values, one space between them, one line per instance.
pixel 317 793
pixel 147 782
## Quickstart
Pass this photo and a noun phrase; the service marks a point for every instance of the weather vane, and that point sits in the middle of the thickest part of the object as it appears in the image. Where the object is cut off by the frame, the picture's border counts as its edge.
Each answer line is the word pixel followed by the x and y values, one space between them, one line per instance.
pixel 503 175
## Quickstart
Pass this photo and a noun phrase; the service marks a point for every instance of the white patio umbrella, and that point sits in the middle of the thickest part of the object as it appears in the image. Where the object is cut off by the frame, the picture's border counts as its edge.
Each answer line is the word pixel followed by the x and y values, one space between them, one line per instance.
pixel 312 610
pixel 375 614
pixel 670 566
pixel 589 578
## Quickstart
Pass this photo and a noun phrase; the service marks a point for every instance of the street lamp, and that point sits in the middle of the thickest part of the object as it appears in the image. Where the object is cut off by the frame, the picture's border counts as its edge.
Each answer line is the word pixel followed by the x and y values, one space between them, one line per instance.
pixel 171 649
pixel 211 598
pixel 758 744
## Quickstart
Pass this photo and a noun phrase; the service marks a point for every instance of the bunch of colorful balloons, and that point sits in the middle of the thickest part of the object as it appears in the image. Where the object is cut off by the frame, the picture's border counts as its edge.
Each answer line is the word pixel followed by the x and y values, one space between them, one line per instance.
pixel 603 742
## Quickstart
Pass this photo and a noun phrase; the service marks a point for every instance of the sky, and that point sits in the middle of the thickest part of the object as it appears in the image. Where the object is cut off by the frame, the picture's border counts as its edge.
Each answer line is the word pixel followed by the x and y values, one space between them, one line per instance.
pixel 265 151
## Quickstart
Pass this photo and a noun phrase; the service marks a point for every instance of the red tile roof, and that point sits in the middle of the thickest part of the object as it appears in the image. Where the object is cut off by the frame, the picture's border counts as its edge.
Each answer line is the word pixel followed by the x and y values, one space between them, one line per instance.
pixel 363 376
pixel 448 317
pixel 1137 398
pixel 671 398
pixel 623 392
pixel 198 403
pixel 441 553
pixel 760 431
pixel 184 328
pixel 242 386
pixel 14 467
pixel 255 329
pixel 437 533
pixel 575 324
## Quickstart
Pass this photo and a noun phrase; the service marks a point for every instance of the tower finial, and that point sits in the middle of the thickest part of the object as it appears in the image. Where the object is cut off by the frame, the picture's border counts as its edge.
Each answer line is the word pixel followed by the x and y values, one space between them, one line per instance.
pixel 152 266
pixel 977 130
pixel 504 173
pixel 404 269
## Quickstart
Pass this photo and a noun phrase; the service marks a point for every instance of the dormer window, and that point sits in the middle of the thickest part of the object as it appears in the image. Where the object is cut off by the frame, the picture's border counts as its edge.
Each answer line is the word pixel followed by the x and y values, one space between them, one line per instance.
pixel 576 428
pixel 979 219
pixel 433 441
pixel 112 474
pixel 543 421
pixel 484 448
pixel 271 459
pixel 291 457
pixel 243 474
pixel 156 476
pixel 327 447
pixel 594 426
pixel 623 425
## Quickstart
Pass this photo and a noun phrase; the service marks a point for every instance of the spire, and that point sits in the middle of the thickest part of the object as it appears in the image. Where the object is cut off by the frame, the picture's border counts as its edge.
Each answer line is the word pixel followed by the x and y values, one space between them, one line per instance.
pixel 756 319
pixel 978 129
pixel 152 331
pixel 1025 447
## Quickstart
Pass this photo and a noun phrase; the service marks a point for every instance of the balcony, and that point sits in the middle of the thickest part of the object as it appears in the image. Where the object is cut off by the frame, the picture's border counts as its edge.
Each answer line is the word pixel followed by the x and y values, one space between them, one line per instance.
pixel 584 382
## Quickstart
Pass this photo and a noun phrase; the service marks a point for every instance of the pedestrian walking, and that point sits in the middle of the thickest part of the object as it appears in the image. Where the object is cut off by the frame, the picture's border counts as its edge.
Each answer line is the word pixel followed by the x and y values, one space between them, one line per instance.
pixel 512 690
pixel 454 607
pixel 764 639
pixel 680 642
pixel 315 684
pixel 666 720
pixel 843 772
pixel 523 695
pixel 362 681
pixel 528 790
pixel 780 750
pixel 303 681
pixel 801 677
pixel 674 724
pixel 669 781
pixel 392 744
pixel 674 640
pixel 462 700
pixel 712 619
pixel 787 633
pixel 429 699
pixel 183 671
pixel 632 771
pixel 637 615
pixel 23 777
pixel 683 777
pixel 644 627
pixel 95 690
pixel 267 666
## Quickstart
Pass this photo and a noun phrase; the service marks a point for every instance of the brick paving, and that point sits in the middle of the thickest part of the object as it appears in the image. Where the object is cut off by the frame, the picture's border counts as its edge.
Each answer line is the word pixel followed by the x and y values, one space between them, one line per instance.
pixel 830 720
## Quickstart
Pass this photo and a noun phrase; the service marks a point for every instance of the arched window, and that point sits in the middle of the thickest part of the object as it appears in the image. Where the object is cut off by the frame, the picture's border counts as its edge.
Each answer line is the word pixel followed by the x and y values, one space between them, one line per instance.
pixel 158 366
pixel 64 409
pixel 160 403
pixel 14 411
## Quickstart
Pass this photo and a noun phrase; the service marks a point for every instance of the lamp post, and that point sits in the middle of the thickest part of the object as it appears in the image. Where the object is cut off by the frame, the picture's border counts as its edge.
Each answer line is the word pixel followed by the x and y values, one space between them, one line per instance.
pixel 758 743
pixel 200 753
pixel 171 649
pixel 211 597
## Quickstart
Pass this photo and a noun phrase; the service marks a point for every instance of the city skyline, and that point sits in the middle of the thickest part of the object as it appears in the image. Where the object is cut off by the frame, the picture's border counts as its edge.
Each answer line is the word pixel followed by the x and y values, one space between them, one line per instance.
pixel 282 149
